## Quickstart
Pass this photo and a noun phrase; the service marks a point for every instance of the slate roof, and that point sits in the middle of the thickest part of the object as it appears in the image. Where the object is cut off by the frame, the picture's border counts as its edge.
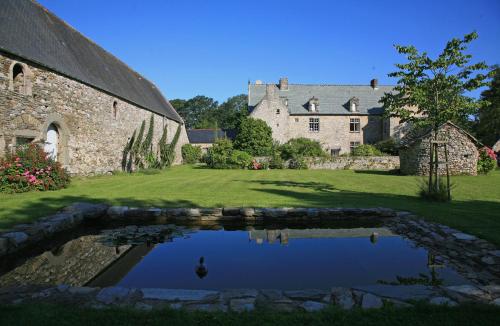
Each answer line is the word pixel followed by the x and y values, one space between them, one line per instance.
pixel 333 99
pixel 31 32
pixel 207 136
pixel 418 133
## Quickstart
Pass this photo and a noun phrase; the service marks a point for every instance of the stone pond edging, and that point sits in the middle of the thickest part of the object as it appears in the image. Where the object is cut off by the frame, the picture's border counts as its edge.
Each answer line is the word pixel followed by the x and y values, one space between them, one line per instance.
pixel 70 217
pixel 474 258
pixel 240 300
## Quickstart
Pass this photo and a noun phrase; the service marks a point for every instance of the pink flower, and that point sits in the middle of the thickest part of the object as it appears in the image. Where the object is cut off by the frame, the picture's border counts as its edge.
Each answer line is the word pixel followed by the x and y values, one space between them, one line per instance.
pixel 18 159
pixel 19 165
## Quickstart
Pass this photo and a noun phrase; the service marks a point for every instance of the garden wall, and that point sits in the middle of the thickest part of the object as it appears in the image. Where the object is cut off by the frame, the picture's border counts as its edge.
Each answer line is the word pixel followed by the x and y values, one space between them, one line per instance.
pixel 357 163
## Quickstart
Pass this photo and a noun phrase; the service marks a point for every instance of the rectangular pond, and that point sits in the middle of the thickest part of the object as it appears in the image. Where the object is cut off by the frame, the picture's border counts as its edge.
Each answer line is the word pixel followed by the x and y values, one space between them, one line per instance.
pixel 234 256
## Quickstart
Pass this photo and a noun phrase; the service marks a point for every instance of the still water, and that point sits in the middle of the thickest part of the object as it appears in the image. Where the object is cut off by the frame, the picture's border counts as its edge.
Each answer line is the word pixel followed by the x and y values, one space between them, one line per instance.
pixel 284 258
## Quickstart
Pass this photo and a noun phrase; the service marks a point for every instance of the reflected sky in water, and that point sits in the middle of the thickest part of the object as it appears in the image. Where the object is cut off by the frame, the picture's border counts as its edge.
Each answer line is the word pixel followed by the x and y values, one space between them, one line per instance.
pixel 236 259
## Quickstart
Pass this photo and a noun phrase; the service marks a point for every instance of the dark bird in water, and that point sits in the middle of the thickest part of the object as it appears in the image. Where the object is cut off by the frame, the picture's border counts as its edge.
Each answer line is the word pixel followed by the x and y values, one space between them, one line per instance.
pixel 201 269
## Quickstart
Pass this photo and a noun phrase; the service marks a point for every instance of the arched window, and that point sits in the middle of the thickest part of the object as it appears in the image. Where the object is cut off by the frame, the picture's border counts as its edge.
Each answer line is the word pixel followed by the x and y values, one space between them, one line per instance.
pixel 52 142
pixel 115 109
pixel 20 78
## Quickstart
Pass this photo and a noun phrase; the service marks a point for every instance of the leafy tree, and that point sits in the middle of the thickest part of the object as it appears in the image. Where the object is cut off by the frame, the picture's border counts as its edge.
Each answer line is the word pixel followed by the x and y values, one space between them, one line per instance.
pixel 195 110
pixel 254 137
pixel 430 92
pixel 230 113
pixel 488 127
pixel 191 153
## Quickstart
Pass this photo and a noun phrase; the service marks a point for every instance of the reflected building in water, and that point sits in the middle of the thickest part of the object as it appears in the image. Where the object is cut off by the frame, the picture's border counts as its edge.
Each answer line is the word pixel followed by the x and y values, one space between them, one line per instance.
pixel 284 236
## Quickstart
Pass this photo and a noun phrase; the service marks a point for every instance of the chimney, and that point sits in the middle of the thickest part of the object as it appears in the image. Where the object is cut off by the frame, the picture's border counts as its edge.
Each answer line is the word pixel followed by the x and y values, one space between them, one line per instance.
pixel 284 83
pixel 270 89
pixel 374 83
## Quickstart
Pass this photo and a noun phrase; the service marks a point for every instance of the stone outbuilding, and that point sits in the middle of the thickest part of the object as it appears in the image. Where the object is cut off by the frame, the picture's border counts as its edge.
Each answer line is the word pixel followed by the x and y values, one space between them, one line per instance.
pixel 414 152
pixel 61 90
pixel 205 138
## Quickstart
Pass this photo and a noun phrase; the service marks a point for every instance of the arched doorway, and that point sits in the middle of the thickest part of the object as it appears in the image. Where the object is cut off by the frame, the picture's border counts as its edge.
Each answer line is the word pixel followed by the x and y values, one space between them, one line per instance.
pixel 52 142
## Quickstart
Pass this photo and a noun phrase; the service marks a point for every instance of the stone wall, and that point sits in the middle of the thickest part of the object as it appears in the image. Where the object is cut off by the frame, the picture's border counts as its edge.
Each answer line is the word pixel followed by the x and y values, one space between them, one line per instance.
pixel 357 163
pixel 93 129
pixel 462 154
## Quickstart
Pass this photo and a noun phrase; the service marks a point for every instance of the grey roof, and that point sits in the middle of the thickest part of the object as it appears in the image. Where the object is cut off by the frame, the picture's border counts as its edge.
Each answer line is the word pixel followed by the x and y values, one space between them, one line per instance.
pixel 333 99
pixel 205 136
pixel 417 133
pixel 31 32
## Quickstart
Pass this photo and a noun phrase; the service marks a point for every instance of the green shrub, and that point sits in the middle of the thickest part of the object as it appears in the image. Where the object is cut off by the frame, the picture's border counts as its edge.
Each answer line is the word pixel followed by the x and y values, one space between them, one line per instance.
pixel 218 156
pixel 191 154
pixel 365 150
pixel 302 147
pixel 29 168
pixel 297 162
pixel 388 146
pixel 486 161
pixel 254 137
pixel 433 193
pixel 240 159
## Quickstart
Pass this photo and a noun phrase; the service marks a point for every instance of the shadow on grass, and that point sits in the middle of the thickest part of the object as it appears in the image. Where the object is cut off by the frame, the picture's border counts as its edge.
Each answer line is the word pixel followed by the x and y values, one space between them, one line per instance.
pixel 45 206
pixel 474 216
pixel 379 172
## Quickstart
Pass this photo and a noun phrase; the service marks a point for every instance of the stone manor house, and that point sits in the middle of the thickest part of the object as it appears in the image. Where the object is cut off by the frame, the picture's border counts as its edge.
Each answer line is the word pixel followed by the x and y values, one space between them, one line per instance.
pixel 340 117
pixel 61 90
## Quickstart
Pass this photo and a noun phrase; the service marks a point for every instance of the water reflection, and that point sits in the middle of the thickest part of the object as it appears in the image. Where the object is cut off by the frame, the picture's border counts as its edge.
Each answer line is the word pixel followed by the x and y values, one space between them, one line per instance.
pixel 160 256
pixel 201 269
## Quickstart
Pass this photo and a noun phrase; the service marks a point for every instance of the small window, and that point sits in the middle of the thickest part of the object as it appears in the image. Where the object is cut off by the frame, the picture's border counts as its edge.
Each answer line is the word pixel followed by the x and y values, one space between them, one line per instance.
pixel 286 102
pixel 354 107
pixel 277 125
pixel 24 140
pixel 296 119
pixel 335 152
pixel 353 145
pixel 277 111
pixel 18 78
pixel 115 109
pixel 354 125
pixel 314 124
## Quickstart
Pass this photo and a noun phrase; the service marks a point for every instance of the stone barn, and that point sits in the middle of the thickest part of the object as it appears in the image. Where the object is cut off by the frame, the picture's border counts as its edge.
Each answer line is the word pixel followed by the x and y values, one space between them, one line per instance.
pixel 414 152
pixel 61 90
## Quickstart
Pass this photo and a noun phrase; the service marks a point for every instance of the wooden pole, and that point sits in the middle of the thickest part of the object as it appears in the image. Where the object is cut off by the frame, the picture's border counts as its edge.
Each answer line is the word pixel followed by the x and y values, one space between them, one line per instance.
pixel 447 172
pixel 431 164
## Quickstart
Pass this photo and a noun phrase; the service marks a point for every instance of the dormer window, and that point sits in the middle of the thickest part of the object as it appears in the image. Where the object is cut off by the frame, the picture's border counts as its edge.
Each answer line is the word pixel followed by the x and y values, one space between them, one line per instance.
pixel 354 104
pixel 277 111
pixel 313 104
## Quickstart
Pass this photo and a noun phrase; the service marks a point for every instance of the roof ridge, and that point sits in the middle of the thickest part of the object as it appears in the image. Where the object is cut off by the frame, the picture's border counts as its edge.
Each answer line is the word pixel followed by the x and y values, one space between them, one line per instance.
pixel 300 84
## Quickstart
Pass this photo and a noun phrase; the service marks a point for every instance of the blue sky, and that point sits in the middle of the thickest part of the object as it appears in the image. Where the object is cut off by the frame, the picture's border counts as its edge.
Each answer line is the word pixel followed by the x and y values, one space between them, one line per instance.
pixel 213 48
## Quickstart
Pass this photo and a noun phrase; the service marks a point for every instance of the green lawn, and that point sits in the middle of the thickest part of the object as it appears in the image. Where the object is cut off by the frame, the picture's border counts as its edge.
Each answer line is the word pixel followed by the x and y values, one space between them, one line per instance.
pixel 475 207
pixel 421 315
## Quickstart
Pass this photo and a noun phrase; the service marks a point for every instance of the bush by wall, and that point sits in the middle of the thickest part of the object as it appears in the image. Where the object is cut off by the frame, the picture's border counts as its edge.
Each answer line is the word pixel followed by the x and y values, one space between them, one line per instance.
pixel 302 147
pixel 487 160
pixel 388 146
pixel 254 137
pixel 366 150
pixel 29 169
pixel 191 154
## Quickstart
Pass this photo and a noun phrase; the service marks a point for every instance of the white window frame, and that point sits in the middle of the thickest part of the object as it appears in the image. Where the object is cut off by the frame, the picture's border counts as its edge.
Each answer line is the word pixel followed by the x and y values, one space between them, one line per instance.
pixel 314 125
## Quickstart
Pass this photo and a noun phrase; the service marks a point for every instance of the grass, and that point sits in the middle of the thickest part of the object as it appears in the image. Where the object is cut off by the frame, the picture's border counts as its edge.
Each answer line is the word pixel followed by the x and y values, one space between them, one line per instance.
pixel 420 315
pixel 475 207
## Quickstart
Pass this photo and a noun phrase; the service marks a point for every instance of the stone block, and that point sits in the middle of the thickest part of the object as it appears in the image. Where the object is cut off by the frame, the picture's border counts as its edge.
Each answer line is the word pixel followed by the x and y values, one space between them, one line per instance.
pixel 4 246
pixel 464 236
pixel 179 295
pixel 116 212
pixel 231 211
pixel 87 210
pixel 16 239
pixel 442 301
pixel 247 212
pixel 370 301
pixel 242 305
pixel 343 298
pixel 312 306
pixel 399 292
pixel 239 294
pixel 307 294
pixel 112 294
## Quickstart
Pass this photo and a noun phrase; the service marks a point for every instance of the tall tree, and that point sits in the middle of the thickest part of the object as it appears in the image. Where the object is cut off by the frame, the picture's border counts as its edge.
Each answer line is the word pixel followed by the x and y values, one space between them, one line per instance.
pixel 194 110
pixel 488 127
pixel 430 91
pixel 254 137
pixel 232 111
